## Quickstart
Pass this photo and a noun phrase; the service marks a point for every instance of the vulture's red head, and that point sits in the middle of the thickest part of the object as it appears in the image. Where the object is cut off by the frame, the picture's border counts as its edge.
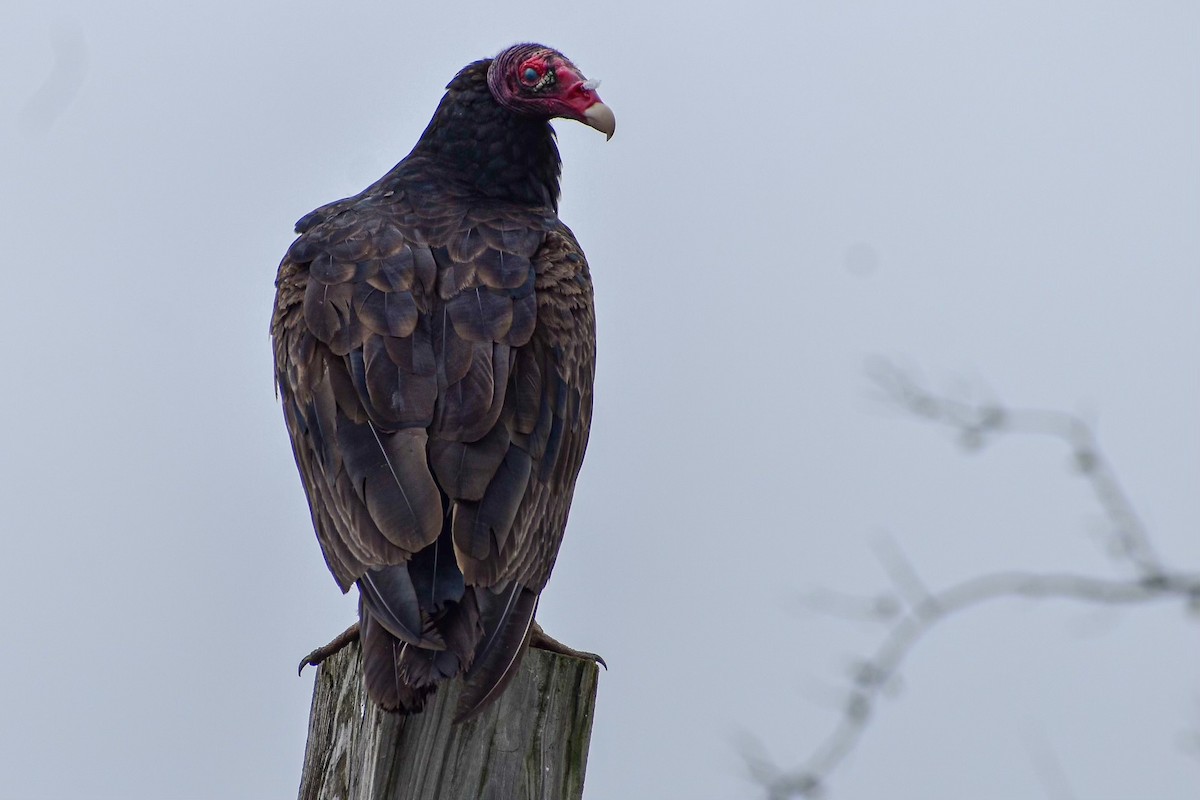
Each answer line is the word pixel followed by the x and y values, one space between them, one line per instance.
pixel 538 81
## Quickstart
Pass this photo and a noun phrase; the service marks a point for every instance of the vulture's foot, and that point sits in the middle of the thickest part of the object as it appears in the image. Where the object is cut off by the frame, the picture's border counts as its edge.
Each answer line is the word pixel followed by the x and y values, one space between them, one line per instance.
pixel 543 641
pixel 321 653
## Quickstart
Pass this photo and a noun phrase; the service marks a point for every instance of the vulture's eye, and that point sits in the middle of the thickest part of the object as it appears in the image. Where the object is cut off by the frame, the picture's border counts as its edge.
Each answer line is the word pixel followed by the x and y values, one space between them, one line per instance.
pixel 530 75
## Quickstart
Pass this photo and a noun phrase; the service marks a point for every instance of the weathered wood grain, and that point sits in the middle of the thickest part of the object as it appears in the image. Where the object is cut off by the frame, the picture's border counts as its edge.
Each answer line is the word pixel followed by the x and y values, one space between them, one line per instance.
pixel 532 744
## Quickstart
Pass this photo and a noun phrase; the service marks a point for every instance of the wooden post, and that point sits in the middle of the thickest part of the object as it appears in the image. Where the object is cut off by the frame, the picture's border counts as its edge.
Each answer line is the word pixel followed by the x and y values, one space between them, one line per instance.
pixel 531 744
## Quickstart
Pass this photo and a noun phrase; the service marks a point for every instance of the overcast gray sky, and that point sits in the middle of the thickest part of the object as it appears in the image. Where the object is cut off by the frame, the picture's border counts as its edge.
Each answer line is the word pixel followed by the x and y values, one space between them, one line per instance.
pixel 1008 193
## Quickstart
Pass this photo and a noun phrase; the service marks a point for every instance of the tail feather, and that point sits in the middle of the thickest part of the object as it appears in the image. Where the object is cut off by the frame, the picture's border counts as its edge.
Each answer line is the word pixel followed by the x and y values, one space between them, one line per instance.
pixel 421 630
pixel 508 620
pixel 382 654
pixel 388 593
pixel 400 675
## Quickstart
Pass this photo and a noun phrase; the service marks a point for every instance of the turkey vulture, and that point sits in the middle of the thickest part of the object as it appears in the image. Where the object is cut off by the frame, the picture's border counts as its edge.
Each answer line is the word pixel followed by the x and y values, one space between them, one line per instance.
pixel 434 341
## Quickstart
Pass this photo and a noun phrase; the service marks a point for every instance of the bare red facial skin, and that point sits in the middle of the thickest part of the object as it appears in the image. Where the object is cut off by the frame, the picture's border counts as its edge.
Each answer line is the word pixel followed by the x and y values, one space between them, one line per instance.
pixel 573 92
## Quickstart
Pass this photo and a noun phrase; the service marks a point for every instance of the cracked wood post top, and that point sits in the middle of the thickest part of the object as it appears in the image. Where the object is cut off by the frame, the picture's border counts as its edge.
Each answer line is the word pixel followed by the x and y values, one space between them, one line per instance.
pixel 531 743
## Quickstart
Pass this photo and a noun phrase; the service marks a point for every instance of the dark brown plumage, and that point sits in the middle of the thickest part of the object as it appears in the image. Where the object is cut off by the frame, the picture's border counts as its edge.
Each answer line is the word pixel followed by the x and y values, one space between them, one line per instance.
pixel 434 344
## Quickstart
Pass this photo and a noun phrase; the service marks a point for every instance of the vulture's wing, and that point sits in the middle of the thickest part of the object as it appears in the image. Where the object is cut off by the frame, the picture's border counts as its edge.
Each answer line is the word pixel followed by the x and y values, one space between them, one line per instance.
pixel 431 425
pixel 547 415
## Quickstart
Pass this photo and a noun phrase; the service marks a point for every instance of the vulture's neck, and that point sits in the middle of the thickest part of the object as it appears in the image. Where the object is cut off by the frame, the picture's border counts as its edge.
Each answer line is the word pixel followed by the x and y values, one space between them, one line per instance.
pixel 476 143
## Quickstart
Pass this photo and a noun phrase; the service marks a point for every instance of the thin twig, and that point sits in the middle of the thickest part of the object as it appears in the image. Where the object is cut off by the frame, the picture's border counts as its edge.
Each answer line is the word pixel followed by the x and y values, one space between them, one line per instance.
pixel 903 574
pixel 1049 768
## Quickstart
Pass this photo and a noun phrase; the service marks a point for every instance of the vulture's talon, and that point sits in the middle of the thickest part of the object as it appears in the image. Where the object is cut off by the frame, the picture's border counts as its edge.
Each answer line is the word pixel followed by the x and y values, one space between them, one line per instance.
pixel 325 651
pixel 543 641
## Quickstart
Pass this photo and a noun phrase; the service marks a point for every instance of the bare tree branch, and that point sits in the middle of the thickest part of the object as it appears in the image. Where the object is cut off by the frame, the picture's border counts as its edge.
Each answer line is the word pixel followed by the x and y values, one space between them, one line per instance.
pixel 978 425
pixel 917 610
pixel 872 674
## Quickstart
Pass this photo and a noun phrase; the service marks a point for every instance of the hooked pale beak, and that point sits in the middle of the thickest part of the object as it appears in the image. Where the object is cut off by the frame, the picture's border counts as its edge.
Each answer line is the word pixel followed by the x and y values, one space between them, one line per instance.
pixel 602 118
